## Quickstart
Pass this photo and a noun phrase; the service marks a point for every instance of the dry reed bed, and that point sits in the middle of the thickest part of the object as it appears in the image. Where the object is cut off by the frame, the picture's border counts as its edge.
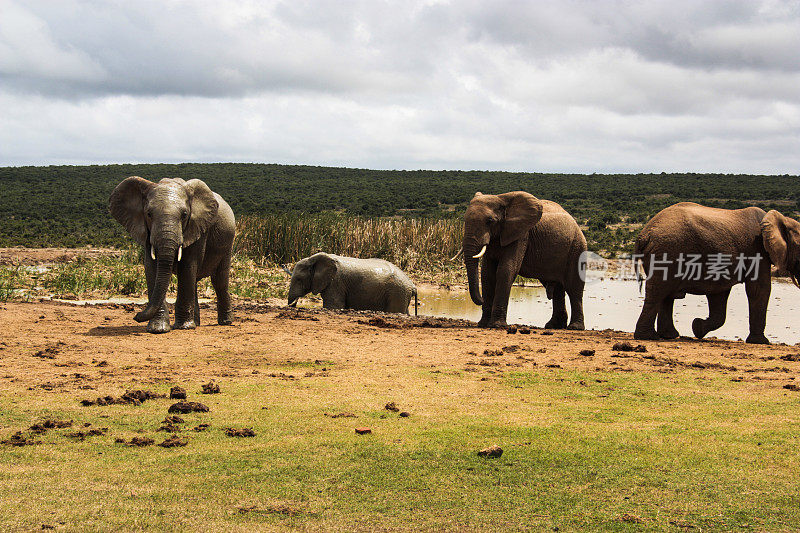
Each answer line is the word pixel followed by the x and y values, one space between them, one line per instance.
pixel 410 243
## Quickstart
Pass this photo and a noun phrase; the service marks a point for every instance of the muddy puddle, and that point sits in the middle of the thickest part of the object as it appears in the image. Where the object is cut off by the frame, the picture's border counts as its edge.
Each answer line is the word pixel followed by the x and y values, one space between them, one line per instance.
pixel 615 304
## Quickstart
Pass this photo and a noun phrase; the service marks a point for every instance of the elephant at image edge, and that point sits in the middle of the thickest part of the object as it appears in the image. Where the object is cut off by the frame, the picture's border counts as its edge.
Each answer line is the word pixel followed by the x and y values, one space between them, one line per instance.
pixel 517 234
pixel 690 228
pixel 185 229
pixel 351 283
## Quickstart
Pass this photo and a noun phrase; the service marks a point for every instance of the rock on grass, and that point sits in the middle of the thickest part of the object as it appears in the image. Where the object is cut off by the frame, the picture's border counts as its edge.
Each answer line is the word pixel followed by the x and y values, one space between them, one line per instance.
pixel 188 407
pixel 491 451
pixel 177 393
pixel 210 388
pixel 243 432
pixel 173 442
pixel 44 425
pixel 18 439
pixel 138 442
pixel 134 397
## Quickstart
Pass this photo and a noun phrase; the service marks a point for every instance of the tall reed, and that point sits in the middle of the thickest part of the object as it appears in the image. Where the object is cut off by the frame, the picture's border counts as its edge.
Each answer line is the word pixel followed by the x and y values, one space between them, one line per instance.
pixel 410 243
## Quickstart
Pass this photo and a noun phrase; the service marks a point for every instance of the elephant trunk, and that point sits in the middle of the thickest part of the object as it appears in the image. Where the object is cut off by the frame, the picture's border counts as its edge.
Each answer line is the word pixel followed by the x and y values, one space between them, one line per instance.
pixel 165 258
pixel 471 262
pixel 295 293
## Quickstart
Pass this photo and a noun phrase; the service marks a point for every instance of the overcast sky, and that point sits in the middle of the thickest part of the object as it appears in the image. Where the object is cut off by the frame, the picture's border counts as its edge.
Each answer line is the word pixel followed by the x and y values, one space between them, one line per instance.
pixel 586 86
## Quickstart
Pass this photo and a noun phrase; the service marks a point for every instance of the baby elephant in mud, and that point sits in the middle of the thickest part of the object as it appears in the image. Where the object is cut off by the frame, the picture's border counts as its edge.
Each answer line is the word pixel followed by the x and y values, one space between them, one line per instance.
pixel 351 283
pixel 184 229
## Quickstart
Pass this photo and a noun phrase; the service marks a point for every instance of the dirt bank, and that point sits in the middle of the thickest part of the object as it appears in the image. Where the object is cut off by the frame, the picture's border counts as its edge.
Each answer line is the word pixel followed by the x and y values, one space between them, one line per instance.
pixel 49 256
pixel 58 347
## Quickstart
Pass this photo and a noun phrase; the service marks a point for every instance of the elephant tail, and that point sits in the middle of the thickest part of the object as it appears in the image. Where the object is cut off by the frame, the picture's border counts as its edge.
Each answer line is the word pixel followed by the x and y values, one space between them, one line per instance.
pixel 639 257
pixel 416 303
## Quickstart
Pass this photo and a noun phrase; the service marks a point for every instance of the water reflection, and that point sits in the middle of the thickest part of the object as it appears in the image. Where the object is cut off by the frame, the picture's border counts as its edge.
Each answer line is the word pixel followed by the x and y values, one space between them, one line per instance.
pixel 615 304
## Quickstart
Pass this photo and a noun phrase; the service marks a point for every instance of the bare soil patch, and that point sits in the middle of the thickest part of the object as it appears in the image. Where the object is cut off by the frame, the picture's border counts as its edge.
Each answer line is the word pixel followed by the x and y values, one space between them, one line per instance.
pixel 49 256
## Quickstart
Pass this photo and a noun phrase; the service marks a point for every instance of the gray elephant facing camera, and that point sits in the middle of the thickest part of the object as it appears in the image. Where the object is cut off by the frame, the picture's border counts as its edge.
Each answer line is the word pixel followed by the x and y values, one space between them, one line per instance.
pixel 352 283
pixel 185 229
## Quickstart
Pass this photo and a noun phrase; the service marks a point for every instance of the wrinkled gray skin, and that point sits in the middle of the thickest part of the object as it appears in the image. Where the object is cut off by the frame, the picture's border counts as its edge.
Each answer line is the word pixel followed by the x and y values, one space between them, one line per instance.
pixel 528 237
pixel 351 283
pixel 168 216
pixel 690 228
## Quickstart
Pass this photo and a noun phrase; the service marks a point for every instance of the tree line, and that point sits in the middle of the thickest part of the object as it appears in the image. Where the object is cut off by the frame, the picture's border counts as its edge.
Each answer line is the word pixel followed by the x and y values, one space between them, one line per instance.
pixel 67 205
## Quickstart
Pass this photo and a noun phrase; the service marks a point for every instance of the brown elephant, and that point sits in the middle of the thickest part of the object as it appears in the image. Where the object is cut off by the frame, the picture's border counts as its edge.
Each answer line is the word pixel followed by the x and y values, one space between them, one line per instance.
pixel 728 246
pixel 184 229
pixel 517 234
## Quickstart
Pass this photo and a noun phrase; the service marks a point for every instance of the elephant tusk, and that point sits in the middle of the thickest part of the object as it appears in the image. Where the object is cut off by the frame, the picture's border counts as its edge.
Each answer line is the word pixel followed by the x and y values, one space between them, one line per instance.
pixel 480 254
pixel 180 253
pixel 152 252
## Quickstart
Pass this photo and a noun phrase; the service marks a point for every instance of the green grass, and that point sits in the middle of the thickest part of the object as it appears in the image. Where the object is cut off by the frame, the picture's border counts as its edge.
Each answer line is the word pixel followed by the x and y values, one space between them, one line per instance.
pixel 11 282
pixel 656 452
pixel 114 275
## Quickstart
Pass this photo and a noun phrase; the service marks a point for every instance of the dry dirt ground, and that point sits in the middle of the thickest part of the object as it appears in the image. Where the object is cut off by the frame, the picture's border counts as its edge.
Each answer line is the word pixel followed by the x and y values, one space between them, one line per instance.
pixel 100 346
pixel 46 256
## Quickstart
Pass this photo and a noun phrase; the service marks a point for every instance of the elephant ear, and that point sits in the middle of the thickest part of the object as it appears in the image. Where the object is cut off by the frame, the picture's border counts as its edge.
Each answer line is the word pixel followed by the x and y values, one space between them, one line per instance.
pixel 203 209
pixel 126 205
pixel 324 269
pixel 523 210
pixel 773 232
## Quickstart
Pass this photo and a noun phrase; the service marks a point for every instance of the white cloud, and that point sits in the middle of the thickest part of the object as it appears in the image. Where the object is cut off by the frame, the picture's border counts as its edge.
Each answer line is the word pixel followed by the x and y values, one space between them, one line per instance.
pixel 540 86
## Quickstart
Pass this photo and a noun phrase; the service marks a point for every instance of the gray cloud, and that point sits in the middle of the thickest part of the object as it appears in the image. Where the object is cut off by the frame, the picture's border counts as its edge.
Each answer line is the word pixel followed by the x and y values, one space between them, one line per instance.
pixel 575 86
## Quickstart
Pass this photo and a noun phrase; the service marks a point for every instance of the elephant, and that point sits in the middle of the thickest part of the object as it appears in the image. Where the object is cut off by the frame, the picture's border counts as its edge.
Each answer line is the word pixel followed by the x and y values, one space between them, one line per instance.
pixel 352 283
pixel 728 246
pixel 513 234
pixel 185 229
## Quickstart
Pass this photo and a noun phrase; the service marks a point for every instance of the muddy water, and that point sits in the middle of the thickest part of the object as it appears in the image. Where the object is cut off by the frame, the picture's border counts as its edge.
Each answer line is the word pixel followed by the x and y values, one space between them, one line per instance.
pixel 615 304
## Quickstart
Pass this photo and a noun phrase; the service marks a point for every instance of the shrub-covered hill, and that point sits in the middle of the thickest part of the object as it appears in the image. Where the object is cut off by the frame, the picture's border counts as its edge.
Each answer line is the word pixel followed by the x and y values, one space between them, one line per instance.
pixel 67 205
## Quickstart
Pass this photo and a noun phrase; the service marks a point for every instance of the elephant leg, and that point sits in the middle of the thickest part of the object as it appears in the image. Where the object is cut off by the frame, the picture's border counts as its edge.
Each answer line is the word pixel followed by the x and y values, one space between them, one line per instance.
pixel 559 318
pixel 758 298
pixel 398 301
pixel 488 281
pixel 220 280
pixel 160 321
pixel 334 299
pixel 196 309
pixel 665 325
pixel 187 296
pixel 654 293
pixel 507 271
pixel 717 310
pixel 576 306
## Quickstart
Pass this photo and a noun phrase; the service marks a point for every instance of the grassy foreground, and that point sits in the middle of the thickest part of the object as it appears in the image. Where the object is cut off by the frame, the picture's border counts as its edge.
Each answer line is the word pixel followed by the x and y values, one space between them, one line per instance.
pixel 633 452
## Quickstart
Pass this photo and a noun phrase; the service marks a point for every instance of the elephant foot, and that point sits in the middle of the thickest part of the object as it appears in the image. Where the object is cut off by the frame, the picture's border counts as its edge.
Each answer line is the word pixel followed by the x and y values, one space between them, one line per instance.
pixel 140 317
pixel 186 324
pixel 497 324
pixel 698 328
pixel 577 326
pixel 757 339
pixel 669 334
pixel 649 335
pixel 225 320
pixel 483 323
pixel 556 323
pixel 158 325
